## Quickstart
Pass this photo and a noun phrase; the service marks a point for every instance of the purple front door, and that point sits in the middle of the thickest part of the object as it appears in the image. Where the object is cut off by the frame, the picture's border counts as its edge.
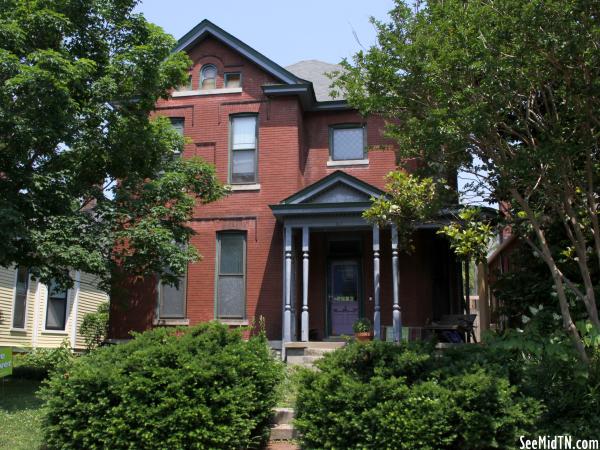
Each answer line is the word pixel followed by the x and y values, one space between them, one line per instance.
pixel 344 279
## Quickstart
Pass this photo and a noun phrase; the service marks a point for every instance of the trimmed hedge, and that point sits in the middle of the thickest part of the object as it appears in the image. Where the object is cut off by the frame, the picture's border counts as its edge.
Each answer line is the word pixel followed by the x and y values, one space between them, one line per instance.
pixel 201 388
pixel 379 395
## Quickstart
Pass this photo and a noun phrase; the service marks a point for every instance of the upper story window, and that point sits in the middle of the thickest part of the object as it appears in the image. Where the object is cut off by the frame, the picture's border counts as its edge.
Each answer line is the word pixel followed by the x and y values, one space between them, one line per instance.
pixel 208 77
pixel 187 86
pixel 347 142
pixel 56 307
pixel 243 160
pixel 178 124
pixel 233 80
pixel 20 302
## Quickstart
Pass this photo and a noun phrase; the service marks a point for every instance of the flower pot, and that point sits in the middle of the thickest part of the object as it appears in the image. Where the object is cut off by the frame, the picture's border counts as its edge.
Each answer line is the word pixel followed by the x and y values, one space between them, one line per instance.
pixel 364 336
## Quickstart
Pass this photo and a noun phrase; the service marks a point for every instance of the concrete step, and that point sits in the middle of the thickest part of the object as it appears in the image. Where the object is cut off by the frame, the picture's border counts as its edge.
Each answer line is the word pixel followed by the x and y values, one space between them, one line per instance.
pixel 282 416
pixel 283 432
pixel 317 351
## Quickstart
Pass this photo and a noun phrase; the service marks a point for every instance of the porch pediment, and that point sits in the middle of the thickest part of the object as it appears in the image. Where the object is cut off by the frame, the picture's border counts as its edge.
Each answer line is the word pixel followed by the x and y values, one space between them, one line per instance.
pixel 338 191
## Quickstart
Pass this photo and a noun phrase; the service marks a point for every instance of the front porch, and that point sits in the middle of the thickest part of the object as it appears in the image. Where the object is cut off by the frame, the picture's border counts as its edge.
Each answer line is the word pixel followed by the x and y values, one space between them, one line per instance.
pixel 338 268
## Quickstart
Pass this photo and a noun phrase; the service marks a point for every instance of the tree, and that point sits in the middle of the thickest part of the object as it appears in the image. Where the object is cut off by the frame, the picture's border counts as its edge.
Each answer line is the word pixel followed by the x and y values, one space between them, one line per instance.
pixel 88 179
pixel 510 92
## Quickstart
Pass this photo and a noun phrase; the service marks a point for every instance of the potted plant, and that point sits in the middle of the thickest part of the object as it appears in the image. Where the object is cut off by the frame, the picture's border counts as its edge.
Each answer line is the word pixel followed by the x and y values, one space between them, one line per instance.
pixel 362 329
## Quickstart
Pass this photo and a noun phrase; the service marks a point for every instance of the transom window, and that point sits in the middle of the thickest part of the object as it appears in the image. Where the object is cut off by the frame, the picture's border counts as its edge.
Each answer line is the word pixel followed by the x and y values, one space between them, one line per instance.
pixel 20 303
pixel 171 300
pixel 233 80
pixel 208 77
pixel 56 307
pixel 231 275
pixel 243 166
pixel 347 142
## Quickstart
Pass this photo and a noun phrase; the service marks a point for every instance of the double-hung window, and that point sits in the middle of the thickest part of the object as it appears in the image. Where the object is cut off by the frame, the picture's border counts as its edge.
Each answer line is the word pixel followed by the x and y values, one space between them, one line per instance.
pixel 20 303
pixel 347 142
pixel 231 275
pixel 244 148
pixel 208 77
pixel 56 307
pixel 171 300
pixel 177 123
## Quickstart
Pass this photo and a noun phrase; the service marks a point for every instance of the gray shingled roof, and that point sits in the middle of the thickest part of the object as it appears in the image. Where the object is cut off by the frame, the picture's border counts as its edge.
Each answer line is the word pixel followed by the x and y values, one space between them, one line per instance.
pixel 314 71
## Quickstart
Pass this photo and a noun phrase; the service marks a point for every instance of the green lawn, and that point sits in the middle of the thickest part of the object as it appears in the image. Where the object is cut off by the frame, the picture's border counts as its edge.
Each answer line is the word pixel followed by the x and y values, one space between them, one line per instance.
pixel 20 415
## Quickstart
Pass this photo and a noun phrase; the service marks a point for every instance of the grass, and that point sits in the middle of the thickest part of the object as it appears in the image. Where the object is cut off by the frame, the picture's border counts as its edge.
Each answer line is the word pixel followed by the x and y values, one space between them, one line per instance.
pixel 20 415
pixel 288 389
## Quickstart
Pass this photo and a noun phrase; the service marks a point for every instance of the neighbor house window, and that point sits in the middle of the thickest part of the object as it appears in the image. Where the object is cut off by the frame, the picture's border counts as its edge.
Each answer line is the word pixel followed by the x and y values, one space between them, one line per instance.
pixel 56 307
pixel 233 80
pixel 20 303
pixel 347 142
pixel 208 77
pixel 171 300
pixel 231 275
pixel 243 148
pixel 178 123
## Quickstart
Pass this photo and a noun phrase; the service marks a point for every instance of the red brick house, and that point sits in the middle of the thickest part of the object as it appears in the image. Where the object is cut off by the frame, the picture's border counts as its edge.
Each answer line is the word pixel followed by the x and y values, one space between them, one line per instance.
pixel 289 243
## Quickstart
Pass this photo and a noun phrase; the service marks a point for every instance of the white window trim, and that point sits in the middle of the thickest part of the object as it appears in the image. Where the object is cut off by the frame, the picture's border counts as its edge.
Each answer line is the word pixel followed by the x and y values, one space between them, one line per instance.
pixel 12 316
pixel 347 162
pixel 217 91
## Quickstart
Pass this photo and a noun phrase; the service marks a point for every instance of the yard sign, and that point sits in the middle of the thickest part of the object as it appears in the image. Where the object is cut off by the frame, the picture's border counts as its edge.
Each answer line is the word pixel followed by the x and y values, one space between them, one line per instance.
pixel 6 367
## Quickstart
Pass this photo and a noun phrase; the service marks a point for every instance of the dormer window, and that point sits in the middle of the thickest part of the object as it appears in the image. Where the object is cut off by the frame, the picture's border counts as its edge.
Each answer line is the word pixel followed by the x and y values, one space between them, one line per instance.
pixel 208 77
pixel 347 142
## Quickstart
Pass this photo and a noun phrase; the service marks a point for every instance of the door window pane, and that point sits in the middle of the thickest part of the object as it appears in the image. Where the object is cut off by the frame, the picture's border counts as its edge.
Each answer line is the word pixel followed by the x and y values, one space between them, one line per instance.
pixel 56 309
pixel 20 305
pixel 231 276
pixel 348 143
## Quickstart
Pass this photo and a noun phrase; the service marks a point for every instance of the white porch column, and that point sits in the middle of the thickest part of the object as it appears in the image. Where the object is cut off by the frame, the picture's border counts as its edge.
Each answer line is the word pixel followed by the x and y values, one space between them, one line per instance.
pixel 377 315
pixel 396 313
pixel 305 240
pixel 287 282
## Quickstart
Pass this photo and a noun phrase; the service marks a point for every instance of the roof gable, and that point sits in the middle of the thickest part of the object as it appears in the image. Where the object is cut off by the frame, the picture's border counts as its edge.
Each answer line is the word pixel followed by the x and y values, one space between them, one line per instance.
pixel 207 28
pixel 339 187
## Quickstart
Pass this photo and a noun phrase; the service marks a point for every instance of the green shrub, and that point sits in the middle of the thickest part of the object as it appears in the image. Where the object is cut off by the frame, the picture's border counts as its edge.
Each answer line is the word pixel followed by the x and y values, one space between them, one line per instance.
pixel 380 395
pixel 203 387
pixel 39 363
pixel 94 327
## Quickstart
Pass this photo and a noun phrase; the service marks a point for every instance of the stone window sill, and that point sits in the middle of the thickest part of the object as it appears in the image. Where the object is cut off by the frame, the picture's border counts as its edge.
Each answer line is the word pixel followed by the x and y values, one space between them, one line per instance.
pixel 245 187
pixel 176 94
pixel 234 322
pixel 348 162
pixel 171 322
pixel 18 330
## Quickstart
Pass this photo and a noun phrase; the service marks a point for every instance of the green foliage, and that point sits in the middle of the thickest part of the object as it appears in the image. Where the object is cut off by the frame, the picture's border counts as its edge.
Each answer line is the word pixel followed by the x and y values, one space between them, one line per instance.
pixel 380 395
pixel 79 82
pixel 362 325
pixel 202 387
pixel 40 363
pixel 411 201
pixel 94 326
pixel 470 235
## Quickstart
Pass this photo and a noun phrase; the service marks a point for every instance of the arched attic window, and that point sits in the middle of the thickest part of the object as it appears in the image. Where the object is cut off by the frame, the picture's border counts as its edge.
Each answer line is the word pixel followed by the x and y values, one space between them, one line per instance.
pixel 208 76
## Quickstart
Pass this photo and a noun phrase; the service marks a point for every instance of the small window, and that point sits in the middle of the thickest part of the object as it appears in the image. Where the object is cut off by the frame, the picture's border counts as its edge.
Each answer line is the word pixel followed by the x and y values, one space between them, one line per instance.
pixel 347 142
pixel 178 124
pixel 20 303
pixel 208 77
pixel 231 275
pixel 56 308
pixel 233 80
pixel 172 300
pixel 243 149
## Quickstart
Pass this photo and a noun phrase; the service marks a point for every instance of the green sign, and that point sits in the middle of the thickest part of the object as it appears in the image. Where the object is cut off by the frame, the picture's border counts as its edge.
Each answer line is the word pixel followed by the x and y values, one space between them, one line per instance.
pixel 5 361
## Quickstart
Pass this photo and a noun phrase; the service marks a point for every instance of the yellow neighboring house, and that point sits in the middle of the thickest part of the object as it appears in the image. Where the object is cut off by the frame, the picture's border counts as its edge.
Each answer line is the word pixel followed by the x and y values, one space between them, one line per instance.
pixel 34 315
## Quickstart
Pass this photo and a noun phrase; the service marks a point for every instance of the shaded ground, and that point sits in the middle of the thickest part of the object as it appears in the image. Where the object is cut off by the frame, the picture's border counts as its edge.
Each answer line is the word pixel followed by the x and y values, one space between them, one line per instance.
pixel 20 415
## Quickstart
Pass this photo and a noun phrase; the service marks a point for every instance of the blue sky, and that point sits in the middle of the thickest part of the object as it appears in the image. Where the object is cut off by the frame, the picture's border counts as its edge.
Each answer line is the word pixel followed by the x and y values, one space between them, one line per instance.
pixel 285 31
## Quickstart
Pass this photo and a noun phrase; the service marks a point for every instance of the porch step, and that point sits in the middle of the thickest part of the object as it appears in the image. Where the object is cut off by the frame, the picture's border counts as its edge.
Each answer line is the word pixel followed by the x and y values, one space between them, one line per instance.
pixel 282 416
pixel 306 353
pixel 283 432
